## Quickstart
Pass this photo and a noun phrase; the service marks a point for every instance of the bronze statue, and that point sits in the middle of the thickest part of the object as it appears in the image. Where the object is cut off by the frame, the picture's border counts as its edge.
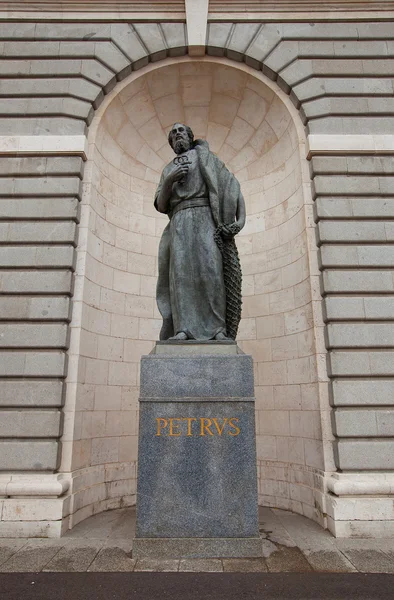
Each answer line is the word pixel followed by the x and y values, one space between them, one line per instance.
pixel 199 285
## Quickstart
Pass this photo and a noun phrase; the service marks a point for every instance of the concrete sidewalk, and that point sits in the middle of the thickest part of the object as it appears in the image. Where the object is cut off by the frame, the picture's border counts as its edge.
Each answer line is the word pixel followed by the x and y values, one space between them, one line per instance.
pixel 291 543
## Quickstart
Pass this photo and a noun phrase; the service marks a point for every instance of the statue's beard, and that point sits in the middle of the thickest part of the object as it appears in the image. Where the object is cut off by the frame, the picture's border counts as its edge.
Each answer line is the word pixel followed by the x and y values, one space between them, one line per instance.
pixel 181 146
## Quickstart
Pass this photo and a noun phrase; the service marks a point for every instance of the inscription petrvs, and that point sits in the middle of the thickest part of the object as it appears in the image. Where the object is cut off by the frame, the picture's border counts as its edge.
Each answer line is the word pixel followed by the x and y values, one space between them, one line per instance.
pixel 196 426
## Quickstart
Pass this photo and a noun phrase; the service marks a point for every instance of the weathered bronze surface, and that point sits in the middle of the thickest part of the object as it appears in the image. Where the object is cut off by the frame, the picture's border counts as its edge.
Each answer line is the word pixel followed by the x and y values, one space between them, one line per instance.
pixel 199 285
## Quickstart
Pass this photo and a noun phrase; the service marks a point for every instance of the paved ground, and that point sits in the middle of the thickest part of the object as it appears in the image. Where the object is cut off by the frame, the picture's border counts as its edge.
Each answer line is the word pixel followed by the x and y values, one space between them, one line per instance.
pixel 103 543
pixel 196 586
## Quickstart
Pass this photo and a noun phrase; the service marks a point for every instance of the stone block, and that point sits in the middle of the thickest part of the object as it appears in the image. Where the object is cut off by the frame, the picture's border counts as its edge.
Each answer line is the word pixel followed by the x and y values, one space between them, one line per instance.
pixel 41 186
pixel 378 255
pixel 242 34
pixel 29 456
pixel 378 307
pixel 30 423
pixel 108 54
pixel 354 392
pixel 72 107
pixel 31 335
pixel 35 308
pixel 204 376
pixel 16 363
pixel 359 509
pixel 352 231
pixel 19 256
pixel 355 423
pixel 61 86
pixel 334 106
pixel 40 208
pixel 266 39
pixel 326 185
pixel 59 232
pixel 364 455
pixel 129 41
pixel 42 125
pixel 328 165
pixel 39 509
pixel 196 548
pixel 35 282
pixel 330 207
pixel 364 423
pixel 360 335
pixel 175 34
pixel 41 165
pixel 361 529
pixel 33 529
pixel 282 55
pixel 358 363
pixel 344 308
pixel 151 35
pixel 346 281
pixel 326 30
pixel 31 393
pixel 182 349
pixel 338 256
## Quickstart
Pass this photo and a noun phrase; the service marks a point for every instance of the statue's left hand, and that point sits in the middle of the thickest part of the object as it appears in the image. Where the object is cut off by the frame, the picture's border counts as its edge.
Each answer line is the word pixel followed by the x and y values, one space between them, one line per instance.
pixel 229 231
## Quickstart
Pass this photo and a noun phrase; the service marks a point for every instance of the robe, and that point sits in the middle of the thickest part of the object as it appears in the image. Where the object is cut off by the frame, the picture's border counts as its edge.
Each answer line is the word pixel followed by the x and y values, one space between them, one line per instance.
pixel 191 294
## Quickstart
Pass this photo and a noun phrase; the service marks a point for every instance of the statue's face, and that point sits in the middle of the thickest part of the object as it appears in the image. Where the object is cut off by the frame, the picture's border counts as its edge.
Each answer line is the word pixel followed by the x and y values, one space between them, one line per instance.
pixel 179 138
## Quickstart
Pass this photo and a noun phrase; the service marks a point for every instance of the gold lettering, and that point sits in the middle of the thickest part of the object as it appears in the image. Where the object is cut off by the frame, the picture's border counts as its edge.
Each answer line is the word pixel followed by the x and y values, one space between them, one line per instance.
pixel 205 427
pixel 235 427
pixel 218 428
pixel 172 425
pixel 160 427
pixel 189 425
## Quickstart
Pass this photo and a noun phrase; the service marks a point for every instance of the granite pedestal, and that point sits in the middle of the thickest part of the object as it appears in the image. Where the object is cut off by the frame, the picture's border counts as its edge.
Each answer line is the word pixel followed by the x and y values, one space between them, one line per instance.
pixel 197 476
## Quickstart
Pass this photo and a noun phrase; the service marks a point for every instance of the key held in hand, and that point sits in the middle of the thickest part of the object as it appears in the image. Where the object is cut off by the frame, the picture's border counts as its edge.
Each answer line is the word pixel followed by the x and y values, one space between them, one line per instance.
pixel 181 161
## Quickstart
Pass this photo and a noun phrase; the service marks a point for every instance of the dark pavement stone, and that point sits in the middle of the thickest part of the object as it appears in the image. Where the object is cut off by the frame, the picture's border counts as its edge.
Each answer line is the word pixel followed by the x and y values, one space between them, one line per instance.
pixel 288 559
pixel 150 564
pixel 194 586
pixel 31 558
pixel 112 559
pixel 73 558
pixel 199 565
pixel 330 561
pixel 9 547
pixel 244 565
pixel 370 561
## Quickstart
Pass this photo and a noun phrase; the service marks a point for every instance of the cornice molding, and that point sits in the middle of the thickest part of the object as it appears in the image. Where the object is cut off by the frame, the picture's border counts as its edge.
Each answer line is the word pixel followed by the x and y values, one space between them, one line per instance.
pixel 262 6
pixel 175 10
pixel 95 6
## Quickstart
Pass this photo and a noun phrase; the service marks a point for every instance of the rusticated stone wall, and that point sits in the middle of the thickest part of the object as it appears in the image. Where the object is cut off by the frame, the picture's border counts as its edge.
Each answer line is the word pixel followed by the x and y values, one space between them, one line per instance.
pixel 339 76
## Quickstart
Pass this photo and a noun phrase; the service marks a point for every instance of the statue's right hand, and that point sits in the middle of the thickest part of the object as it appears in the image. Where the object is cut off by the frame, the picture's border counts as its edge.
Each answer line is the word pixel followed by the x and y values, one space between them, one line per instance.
pixel 178 173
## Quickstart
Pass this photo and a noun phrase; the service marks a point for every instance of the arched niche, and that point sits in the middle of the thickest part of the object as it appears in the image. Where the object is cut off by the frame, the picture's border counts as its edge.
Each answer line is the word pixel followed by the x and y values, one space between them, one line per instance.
pixel 255 129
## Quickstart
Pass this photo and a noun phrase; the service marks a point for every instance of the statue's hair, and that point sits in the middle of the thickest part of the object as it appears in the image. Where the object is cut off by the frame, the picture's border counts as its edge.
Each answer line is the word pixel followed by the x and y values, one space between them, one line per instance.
pixel 188 131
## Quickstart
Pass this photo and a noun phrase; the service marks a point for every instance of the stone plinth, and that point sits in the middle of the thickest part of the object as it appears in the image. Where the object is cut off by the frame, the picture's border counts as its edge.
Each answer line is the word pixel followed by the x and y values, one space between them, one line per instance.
pixel 197 477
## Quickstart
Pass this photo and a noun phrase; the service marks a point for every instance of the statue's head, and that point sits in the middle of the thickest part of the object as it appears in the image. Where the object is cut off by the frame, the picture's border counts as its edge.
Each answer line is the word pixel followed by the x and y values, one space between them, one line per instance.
pixel 180 138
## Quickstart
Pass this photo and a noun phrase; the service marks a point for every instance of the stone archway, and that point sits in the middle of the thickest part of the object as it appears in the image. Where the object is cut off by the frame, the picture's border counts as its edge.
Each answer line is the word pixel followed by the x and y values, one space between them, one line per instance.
pixel 255 129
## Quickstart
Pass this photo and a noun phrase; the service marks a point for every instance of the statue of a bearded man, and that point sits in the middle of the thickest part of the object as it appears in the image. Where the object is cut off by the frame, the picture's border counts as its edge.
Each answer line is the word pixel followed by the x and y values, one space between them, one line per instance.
pixel 199 285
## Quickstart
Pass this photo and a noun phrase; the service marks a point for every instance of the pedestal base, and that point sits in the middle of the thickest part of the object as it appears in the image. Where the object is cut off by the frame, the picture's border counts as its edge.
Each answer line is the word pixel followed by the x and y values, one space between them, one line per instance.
pixel 162 548
pixel 197 474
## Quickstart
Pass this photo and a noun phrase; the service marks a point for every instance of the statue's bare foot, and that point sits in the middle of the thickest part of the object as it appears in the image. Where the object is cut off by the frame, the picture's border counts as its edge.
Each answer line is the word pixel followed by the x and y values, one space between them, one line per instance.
pixel 221 337
pixel 179 336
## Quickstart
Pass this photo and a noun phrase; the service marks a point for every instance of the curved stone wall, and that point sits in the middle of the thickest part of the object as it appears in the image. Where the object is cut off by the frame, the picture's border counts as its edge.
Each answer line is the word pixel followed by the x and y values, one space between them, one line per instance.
pixel 249 127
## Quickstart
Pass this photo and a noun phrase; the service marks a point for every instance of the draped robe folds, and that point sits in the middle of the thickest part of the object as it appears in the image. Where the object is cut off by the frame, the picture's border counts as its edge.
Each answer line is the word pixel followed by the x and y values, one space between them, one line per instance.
pixel 191 294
